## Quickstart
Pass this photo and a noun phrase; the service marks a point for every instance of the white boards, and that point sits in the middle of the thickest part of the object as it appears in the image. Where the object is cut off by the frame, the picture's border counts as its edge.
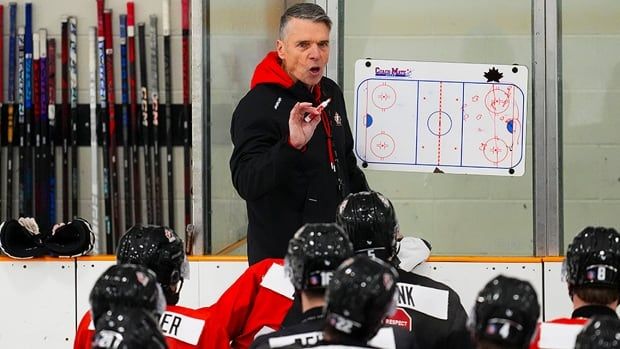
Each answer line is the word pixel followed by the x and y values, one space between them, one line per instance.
pixel 440 117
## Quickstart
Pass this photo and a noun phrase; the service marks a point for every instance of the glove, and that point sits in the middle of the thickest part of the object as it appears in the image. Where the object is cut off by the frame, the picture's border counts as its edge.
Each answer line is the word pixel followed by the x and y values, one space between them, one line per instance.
pixel 30 224
pixel 413 252
pixel 56 226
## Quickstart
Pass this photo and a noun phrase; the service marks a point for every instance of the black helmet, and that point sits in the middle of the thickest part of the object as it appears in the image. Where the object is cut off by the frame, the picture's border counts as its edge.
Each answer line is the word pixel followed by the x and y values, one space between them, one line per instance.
pixel 314 252
pixel 593 258
pixel 159 249
pixel 361 294
pixel 506 312
pixel 128 328
pixel 126 285
pixel 370 221
pixel 600 332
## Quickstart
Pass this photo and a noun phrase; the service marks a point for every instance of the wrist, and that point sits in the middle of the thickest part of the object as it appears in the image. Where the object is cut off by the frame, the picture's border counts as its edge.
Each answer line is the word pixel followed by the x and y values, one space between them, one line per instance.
pixel 300 147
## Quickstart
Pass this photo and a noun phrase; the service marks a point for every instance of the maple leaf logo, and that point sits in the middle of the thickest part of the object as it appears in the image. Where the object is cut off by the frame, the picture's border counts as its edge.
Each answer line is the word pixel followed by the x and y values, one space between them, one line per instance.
pixel 493 75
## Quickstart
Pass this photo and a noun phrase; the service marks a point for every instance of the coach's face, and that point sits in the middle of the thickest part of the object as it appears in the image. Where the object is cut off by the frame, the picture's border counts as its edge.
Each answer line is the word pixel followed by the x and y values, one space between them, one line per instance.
pixel 304 50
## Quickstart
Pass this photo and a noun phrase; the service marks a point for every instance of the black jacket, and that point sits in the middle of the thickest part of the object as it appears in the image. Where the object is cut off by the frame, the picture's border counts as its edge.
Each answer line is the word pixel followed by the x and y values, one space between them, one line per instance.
pixel 308 333
pixel 592 310
pixel 284 187
pixel 431 330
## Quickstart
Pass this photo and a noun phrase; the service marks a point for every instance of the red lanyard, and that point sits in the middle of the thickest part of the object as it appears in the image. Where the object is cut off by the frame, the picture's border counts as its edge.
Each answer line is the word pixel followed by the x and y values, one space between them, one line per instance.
pixel 330 146
pixel 327 127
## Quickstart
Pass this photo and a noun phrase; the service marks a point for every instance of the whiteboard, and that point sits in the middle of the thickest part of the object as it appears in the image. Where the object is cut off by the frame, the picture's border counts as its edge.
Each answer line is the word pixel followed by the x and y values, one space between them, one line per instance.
pixel 440 117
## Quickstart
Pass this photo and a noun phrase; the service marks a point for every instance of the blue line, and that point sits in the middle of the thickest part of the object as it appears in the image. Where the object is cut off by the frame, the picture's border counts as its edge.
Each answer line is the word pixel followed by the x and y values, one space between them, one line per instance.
pixel 356 123
pixel 462 121
pixel 417 123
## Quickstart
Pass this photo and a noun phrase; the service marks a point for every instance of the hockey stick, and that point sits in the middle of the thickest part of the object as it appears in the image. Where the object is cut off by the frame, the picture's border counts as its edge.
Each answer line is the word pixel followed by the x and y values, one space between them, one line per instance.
pixel 127 182
pixel 154 88
pixel 134 116
pixel 109 64
pixel 11 110
pixel 186 123
pixel 103 101
pixel 36 106
pixel 21 119
pixel 167 121
pixel 64 114
pixel 43 168
pixel 27 164
pixel 94 149
pixel 145 123
pixel 51 132
pixel 73 102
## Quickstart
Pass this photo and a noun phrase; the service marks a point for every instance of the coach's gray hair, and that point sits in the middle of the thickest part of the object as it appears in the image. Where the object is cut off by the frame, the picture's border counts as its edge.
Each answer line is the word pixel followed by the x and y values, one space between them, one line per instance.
pixel 304 10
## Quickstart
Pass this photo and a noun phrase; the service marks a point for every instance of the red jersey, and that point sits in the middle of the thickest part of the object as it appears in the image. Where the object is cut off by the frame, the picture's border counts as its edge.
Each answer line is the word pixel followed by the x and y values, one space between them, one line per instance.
pixel 183 328
pixel 558 333
pixel 256 303
pixel 562 332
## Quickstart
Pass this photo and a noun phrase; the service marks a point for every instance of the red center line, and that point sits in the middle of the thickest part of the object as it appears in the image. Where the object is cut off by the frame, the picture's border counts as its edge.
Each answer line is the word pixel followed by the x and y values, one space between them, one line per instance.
pixel 514 125
pixel 495 127
pixel 439 131
pixel 364 123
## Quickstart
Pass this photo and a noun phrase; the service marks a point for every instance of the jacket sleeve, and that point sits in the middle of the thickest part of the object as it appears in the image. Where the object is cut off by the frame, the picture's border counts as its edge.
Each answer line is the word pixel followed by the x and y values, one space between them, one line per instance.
pixel 357 179
pixel 83 336
pixel 261 156
pixel 235 304
pixel 233 308
pixel 535 338
pixel 459 336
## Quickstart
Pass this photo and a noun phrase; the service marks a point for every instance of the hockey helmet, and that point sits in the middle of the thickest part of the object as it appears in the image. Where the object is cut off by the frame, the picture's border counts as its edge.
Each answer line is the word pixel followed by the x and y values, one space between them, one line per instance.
pixel 126 285
pixel 601 332
pixel 361 294
pixel 593 258
pixel 370 221
pixel 159 249
pixel 506 312
pixel 314 252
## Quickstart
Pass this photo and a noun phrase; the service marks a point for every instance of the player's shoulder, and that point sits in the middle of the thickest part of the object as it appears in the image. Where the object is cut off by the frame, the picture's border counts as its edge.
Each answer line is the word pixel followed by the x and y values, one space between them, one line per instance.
pixel 568 321
pixel 267 263
pixel 422 280
pixel 191 312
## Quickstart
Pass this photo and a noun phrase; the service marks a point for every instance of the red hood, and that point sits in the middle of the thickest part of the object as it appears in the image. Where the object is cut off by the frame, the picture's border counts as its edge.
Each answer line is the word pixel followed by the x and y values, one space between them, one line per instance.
pixel 269 71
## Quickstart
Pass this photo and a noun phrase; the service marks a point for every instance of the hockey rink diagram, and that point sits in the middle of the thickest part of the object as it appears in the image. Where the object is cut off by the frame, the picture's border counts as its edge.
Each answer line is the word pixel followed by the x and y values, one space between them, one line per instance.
pixel 446 126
